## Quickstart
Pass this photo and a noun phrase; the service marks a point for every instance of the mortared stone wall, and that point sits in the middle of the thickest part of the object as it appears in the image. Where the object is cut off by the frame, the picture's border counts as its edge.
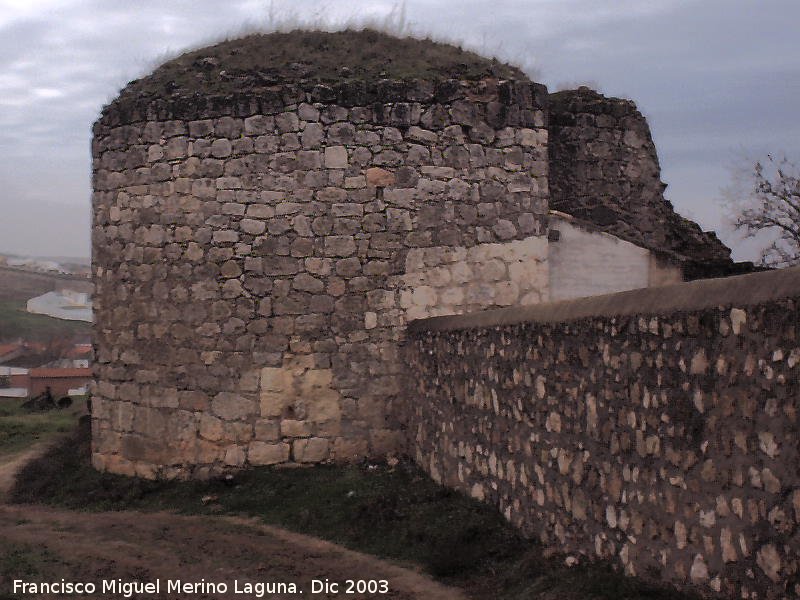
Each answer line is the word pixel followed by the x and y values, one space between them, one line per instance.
pixel 657 428
pixel 257 257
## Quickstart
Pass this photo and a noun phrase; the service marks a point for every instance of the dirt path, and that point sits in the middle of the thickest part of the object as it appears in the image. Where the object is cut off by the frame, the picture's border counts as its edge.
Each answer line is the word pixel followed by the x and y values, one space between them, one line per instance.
pixel 133 546
pixel 161 546
pixel 9 465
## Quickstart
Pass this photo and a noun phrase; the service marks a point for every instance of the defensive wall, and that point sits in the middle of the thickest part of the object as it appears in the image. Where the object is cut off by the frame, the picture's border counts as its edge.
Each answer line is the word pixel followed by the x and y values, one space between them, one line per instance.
pixel 657 428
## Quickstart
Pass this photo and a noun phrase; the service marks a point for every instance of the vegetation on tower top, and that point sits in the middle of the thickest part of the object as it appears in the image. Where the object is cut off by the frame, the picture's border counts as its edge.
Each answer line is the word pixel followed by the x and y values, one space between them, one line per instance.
pixel 265 60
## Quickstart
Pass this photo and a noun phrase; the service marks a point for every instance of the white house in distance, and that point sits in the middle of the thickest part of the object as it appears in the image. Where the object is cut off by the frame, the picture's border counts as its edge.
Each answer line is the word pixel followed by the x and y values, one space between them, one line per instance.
pixel 63 304
pixel 13 382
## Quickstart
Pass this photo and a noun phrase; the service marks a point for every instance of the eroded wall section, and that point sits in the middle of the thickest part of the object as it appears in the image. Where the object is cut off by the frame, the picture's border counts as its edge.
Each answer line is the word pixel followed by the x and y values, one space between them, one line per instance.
pixel 604 169
pixel 449 281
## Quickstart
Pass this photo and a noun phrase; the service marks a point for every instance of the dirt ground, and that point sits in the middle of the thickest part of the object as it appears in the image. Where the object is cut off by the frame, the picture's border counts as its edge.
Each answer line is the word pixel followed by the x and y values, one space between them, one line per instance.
pixel 9 465
pixel 146 547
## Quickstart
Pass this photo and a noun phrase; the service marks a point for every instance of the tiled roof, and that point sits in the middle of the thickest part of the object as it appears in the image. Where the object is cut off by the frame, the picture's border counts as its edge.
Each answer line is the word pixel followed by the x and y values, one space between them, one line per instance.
pixel 48 373
pixel 6 348
pixel 79 350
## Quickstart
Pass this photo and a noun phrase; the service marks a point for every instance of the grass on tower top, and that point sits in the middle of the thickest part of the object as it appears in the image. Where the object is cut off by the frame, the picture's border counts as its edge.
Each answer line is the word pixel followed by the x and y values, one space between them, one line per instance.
pixel 263 59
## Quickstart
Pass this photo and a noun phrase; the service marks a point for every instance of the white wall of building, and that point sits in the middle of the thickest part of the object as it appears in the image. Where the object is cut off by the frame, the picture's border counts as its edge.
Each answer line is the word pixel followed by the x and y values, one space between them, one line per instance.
pixel 585 262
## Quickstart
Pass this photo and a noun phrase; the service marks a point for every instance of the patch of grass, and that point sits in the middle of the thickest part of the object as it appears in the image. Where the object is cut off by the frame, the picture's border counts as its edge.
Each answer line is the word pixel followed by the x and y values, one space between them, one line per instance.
pixel 20 429
pixel 16 322
pixel 397 513
pixel 23 560
pixel 26 562
pixel 265 59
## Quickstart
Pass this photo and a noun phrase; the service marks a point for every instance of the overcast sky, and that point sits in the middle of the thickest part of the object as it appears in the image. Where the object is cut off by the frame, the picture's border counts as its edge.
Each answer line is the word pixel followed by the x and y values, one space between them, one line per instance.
pixel 717 79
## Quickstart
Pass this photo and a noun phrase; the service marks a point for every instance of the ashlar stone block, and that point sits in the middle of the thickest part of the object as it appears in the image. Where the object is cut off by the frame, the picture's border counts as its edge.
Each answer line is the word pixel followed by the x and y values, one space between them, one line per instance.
pixel 336 157
pixel 311 450
pixel 261 453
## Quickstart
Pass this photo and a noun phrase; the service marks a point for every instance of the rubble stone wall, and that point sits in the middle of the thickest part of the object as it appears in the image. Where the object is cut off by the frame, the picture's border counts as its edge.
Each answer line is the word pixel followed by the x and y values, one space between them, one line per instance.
pixel 657 428
pixel 250 259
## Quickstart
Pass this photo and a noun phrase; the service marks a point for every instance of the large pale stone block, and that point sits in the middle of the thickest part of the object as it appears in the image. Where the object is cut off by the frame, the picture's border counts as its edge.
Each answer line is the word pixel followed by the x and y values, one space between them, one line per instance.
pixel 273 403
pixel 424 296
pixel 311 450
pixel 336 157
pixel 292 428
pixel 260 453
pixel 379 177
pixel 211 428
pixel 230 406
pixel 235 456
pixel 275 379
pixel 452 296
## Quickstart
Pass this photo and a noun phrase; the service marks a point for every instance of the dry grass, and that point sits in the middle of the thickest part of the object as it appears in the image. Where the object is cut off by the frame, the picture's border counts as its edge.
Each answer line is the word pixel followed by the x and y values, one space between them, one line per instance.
pixel 20 429
pixel 264 59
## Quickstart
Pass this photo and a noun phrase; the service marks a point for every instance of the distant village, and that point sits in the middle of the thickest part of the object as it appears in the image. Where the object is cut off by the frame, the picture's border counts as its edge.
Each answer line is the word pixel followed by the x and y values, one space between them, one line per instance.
pixel 58 367
pixel 68 266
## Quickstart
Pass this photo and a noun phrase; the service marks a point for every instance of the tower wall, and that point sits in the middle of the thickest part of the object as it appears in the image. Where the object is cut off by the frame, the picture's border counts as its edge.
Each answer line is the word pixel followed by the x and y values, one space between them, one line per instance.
pixel 256 259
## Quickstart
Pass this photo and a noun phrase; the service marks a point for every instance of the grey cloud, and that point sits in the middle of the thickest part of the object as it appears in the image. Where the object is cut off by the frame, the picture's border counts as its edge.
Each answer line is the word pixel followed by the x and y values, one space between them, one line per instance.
pixel 713 76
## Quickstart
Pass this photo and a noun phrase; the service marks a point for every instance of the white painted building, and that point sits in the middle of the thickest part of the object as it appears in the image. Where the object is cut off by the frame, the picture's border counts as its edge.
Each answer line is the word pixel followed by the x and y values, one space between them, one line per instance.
pixel 66 304
pixel 10 378
pixel 584 261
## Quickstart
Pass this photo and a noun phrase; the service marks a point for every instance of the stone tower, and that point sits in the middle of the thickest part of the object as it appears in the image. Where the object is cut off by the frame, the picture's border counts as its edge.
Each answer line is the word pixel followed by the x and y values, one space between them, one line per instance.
pixel 270 212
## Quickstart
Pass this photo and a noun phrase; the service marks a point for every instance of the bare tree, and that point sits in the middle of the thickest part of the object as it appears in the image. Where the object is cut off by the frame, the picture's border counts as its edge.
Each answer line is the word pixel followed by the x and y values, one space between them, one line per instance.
pixel 772 204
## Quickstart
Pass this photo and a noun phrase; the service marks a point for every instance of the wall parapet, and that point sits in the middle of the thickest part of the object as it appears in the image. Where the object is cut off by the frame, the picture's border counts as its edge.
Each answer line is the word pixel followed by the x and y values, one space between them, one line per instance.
pixel 740 290
pixel 655 428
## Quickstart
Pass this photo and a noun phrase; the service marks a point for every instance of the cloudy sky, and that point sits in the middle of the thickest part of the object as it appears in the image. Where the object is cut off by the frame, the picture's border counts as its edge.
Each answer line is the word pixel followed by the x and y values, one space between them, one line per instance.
pixel 718 80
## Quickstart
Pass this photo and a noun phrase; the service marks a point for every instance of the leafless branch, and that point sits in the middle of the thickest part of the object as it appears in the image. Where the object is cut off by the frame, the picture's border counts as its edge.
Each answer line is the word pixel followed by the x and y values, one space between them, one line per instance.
pixel 774 205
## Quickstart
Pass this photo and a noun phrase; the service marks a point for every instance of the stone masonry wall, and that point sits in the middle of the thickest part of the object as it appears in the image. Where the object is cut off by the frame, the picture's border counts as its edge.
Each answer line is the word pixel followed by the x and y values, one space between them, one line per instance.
pixel 657 428
pixel 605 169
pixel 455 280
pixel 250 255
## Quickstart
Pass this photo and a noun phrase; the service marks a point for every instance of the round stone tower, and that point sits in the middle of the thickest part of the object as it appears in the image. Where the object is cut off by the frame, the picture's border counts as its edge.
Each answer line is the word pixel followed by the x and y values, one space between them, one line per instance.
pixel 270 212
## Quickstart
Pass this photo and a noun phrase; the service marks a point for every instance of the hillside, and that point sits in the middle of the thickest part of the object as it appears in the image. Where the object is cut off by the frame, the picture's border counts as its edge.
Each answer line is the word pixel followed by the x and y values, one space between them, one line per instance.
pixel 16 322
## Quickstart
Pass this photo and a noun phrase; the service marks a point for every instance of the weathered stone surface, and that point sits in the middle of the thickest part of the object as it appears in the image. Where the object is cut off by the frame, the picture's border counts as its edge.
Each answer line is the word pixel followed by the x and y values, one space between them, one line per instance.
pixel 379 177
pixel 336 157
pixel 621 428
pixel 311 450
pixel 230 406
pixel 699 570
pixel 260 453
pixel 769 560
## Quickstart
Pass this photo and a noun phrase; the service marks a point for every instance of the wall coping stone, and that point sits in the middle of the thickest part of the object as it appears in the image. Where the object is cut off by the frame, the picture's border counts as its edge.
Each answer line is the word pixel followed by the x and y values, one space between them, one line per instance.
pixel 740 290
